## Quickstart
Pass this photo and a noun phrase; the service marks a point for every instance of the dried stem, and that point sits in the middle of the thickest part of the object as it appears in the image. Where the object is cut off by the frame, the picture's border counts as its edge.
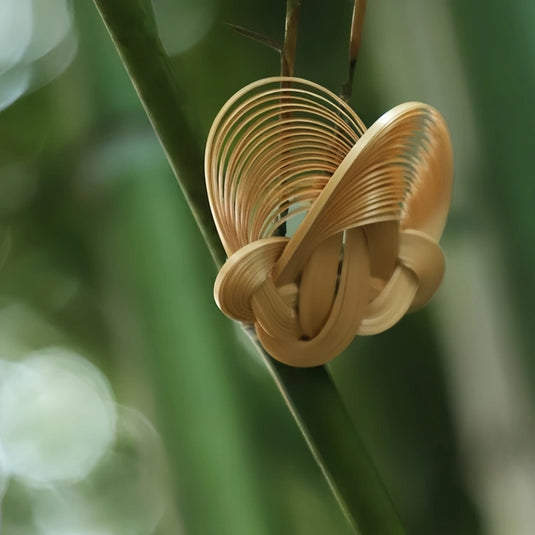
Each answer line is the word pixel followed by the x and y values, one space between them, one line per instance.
pixel 288 67
pixel 290 37
pixel 354 46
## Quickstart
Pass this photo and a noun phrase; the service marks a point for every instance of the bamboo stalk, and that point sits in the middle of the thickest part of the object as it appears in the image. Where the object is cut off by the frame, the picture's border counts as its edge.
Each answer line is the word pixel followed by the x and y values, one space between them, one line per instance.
pixel 335 444
pixel 133 30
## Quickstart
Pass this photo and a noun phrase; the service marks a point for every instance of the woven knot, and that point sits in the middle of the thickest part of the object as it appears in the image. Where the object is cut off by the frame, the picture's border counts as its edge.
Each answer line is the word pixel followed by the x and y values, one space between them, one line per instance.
pixel 368 207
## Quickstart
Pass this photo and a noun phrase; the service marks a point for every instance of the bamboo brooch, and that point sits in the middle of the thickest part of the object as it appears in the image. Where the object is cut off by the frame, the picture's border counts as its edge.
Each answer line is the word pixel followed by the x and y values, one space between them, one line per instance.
pixel 370 204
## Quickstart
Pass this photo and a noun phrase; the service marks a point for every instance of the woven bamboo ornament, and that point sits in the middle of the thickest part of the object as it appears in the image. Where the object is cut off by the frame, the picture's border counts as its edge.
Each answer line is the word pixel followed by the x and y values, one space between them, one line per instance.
pixel 372 204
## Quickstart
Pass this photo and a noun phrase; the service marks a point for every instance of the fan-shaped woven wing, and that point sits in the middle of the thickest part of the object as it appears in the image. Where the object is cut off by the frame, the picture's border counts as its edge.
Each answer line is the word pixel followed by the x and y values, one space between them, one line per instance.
pixel 373 205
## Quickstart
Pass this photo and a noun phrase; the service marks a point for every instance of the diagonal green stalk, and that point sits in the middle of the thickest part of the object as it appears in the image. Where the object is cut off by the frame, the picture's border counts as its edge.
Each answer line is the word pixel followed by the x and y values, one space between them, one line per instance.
pixel 132 28
pixel 320 414
pixel 310 393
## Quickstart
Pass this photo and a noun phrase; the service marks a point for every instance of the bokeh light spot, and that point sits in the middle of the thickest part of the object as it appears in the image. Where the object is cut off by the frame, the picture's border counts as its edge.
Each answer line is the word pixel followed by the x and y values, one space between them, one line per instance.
pixel 57 417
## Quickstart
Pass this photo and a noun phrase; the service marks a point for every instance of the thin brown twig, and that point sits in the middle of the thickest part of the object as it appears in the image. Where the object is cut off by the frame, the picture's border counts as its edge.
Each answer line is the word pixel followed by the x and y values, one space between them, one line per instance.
pixel 288 65
pixel 354 46
pixel 290 37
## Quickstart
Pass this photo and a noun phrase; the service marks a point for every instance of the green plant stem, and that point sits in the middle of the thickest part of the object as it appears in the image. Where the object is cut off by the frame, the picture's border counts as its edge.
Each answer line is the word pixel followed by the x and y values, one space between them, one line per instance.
pixel 315 403
pixel 133 30
pixel 310 394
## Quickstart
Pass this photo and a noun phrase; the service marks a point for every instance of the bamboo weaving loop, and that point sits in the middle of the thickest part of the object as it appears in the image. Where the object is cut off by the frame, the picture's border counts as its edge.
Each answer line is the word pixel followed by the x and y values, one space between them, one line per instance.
pixel 372 204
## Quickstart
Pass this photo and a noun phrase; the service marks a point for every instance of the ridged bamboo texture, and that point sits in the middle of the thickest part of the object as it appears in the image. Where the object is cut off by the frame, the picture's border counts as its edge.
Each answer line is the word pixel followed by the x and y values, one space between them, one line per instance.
pixel 371 205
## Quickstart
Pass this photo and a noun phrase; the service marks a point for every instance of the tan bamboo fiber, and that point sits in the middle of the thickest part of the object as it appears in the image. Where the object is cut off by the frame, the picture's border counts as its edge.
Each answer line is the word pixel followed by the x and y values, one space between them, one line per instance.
pixel 373 204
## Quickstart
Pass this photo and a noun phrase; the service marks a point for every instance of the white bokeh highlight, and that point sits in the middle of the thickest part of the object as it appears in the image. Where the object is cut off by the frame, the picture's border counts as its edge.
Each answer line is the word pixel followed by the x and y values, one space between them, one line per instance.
pixel 183 23
pixel 16 25
pixel 53 21
pixel 57 417
pixel 31 31
pixel 123 494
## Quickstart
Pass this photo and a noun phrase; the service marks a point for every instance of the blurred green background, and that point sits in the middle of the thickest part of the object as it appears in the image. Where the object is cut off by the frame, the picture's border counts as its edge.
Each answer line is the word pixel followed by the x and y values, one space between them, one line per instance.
pixel 99 254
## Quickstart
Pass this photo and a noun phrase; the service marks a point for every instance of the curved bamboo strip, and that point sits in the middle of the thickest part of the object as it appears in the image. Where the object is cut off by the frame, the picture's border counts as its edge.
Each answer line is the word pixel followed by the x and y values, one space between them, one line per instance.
pixel 375 202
